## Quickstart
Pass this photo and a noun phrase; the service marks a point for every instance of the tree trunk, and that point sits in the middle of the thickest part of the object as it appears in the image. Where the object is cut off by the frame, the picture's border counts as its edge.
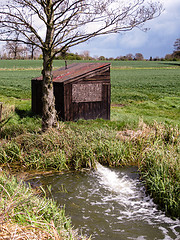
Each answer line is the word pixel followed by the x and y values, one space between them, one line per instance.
pixel 32 52
pixel 49 118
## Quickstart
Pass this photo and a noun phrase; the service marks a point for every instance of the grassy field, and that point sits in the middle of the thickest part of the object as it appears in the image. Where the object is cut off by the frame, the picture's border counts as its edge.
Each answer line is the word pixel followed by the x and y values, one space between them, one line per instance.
pixel 146 90
pixel 143 131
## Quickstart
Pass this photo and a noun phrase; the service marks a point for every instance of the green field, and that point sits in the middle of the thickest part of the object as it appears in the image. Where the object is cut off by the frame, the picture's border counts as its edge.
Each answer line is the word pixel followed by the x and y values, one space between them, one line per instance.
pixel 146 90
pixel 150 93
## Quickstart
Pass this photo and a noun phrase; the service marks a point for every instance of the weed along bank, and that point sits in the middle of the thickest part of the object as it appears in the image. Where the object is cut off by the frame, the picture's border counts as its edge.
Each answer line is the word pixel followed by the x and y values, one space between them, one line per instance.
pixel 82 91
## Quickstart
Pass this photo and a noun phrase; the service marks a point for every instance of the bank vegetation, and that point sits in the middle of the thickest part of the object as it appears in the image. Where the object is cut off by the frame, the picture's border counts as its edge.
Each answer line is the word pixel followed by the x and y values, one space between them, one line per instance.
pixel 155 149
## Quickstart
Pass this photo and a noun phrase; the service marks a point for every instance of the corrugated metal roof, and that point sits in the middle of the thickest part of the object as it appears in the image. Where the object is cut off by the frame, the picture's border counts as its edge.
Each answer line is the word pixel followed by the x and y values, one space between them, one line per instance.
pixel 75 71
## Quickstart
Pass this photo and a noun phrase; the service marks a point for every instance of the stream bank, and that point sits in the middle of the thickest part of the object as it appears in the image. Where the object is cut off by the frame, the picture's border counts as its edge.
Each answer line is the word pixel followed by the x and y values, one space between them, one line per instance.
pixel 109 203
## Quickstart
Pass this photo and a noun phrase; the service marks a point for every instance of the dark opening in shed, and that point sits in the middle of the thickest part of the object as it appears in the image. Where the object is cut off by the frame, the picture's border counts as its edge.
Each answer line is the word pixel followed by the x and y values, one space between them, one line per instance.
pixel 82 91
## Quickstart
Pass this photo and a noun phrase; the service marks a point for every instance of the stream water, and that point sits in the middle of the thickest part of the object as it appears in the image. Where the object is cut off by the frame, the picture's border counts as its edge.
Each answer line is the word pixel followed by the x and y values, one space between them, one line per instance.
pixel 110 204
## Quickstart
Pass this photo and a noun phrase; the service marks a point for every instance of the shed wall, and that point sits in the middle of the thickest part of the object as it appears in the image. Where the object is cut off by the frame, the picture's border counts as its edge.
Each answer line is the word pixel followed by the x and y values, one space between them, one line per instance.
pixel 36 91
pixel 70 107
pixel 91 109
pixel 87 110
pixel 59 99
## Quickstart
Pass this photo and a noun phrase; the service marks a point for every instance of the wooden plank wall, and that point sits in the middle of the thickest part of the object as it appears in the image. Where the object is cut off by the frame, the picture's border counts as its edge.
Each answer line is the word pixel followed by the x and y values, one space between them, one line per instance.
pixel 67 106
pixel 88 110
pixel 36 91
pixel 59 99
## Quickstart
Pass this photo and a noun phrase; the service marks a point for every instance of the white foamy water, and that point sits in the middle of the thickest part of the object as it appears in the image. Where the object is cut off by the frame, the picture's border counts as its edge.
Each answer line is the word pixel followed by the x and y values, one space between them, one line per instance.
pixel 111 204
pixel 135 205
pixel 112 181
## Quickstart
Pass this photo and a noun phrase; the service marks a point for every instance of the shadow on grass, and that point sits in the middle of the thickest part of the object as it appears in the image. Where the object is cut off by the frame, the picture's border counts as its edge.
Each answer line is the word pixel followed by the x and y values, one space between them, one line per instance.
pixel 24 113
pixel 170 63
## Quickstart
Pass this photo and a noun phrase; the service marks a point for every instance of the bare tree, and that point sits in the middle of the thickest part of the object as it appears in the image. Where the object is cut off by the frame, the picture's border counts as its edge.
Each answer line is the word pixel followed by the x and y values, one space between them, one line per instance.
pixel 129 56
pixel 139 56
pixel 177 45
pixel 15 50
pixel 86 55
pixel 32 47
pixel 61 24
pixel 176 53
pixel 13 47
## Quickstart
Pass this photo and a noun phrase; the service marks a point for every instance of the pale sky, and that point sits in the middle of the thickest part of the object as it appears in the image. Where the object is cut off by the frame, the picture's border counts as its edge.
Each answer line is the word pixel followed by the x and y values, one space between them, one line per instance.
pixel 156 42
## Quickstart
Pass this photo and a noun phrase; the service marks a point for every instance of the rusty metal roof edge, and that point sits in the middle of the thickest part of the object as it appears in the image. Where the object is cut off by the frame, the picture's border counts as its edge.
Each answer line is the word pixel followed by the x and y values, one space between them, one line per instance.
pixel 90 73
pixel 102 65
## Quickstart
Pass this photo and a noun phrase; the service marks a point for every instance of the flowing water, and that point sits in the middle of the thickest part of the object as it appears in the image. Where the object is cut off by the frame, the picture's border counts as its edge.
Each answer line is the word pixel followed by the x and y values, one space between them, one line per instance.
pixel 110 204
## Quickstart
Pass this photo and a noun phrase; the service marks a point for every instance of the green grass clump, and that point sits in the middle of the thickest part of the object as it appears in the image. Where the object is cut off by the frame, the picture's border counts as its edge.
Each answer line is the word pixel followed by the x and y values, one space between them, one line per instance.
pixel 64 149
pixel 159 166
pixel 26 215
pixel 160 170
pixel 16 121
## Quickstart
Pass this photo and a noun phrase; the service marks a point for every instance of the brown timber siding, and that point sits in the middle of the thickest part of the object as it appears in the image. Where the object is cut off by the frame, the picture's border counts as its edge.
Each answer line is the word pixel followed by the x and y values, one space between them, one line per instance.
pixel 78 93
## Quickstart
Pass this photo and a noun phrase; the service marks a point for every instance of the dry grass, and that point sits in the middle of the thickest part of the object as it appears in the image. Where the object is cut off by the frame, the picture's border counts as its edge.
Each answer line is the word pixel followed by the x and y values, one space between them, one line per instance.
pixel 7 111
pixel 144 131
pixel 24 69
pixel 11 231
pixel 14 231
pixel 19 69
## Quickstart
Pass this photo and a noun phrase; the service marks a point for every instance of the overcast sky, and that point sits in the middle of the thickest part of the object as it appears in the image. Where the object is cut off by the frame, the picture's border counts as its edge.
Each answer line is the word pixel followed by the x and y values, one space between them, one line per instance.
pixel 158 41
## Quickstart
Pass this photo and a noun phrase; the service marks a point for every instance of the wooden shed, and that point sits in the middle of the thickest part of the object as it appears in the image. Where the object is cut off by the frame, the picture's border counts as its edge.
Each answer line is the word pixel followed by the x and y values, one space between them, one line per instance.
pixel 82 91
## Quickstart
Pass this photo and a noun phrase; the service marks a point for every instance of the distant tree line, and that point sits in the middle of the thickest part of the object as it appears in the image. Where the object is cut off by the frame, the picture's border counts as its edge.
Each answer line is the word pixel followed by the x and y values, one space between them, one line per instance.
pixel 14 50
